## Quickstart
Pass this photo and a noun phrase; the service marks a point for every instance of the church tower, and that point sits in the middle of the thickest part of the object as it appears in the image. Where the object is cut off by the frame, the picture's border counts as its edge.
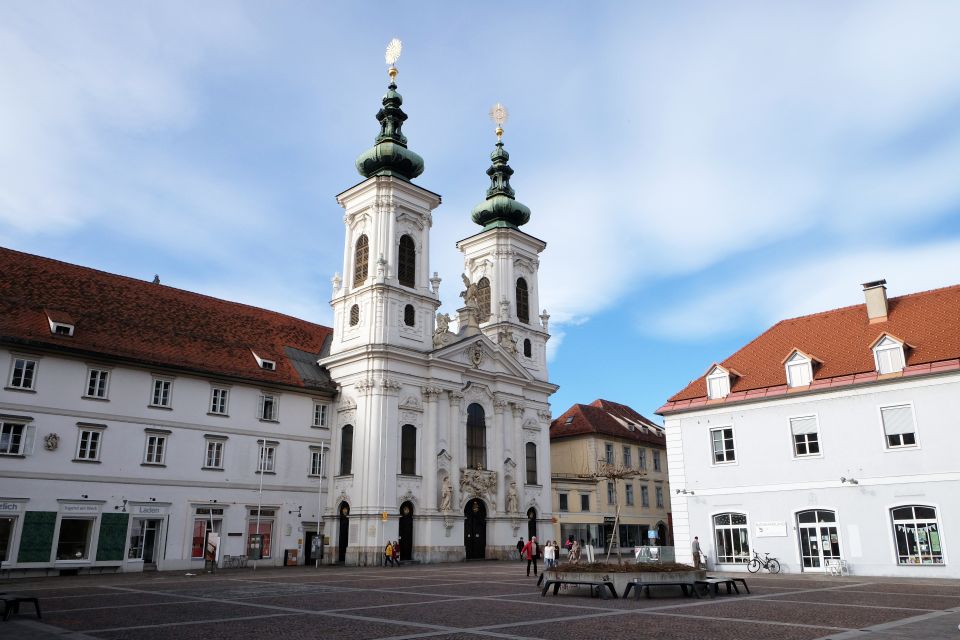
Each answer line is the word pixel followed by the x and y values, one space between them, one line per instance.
pixel 385 295
pixel 503 261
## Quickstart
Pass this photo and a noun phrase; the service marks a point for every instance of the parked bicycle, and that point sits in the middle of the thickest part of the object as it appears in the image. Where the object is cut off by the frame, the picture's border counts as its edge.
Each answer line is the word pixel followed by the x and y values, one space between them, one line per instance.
pixel 770 564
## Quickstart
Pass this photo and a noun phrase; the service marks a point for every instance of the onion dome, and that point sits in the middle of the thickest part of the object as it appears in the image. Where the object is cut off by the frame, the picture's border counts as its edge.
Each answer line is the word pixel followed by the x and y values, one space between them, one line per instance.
pixel 500 209
pixel 389 155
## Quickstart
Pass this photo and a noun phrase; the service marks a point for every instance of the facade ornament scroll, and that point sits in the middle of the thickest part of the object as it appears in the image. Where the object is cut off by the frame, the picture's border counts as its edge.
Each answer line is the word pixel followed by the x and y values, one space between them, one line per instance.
pixel 475 354
pixel 455 398
pixel 517 410
pixel 506 340
pixel 430 394
pixel 545 415
pixel 478 483
pixel 364 386
pixel 499 404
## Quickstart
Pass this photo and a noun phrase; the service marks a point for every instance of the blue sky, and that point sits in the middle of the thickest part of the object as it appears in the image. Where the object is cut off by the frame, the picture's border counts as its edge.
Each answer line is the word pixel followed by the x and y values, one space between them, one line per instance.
pixel 699 170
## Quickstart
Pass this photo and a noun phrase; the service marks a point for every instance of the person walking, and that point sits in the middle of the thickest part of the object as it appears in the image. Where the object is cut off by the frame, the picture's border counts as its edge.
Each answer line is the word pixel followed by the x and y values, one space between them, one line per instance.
pixel 695 549
pixel 520 548
pixel 388 554
pixel 396 552
pixel 529 552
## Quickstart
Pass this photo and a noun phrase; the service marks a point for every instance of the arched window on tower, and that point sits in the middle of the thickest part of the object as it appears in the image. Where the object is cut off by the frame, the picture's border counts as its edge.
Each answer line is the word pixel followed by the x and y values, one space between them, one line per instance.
pixel 409 315
pixel 476 437
pixel 354 315
pixel 408 450
pixel 531 451
pixel 527 348
pixel 483 298
pixel 361 260
pixel 523 301
pixel 407 262
pixel 346 450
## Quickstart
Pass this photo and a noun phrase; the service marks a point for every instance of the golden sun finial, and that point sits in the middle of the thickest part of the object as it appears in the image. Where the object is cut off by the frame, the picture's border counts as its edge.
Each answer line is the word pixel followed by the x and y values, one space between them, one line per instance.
pixel 498 113
pixel 394 47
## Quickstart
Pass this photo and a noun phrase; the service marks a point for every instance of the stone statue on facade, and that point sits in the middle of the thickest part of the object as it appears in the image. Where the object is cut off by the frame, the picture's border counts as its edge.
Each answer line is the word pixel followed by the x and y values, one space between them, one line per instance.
pixel 513 501
pixel 446 495
pixel 469 295
pixel 442 335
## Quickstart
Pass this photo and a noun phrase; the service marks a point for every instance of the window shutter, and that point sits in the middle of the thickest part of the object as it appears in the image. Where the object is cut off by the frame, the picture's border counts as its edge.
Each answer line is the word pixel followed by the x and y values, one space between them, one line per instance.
pixel 801 426
pixel 897 420
pixel 113 536
pixel 36 539
pixel 29 438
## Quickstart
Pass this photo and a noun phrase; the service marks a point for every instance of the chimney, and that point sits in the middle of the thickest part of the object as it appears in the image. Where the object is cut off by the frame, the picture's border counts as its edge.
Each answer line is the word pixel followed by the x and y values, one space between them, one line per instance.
pixel 876 297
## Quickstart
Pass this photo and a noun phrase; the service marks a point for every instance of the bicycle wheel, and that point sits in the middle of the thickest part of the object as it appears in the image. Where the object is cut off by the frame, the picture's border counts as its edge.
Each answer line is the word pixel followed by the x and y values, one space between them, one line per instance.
pixel 773 566
pixel 754 566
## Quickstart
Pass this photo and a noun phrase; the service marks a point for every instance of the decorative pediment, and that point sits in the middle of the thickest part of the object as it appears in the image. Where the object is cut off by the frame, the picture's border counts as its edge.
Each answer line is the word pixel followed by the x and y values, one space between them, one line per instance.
pixel 411 403
pixel 478 483
pixel 479 352
pixel 347 403
pixel 531 425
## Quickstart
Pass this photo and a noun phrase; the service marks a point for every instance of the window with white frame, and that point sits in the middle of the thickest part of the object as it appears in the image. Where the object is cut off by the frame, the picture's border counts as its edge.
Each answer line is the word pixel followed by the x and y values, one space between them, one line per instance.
pixel 16 438
pixel 267 458
pixel 206 520
pixel 627 457
pixel 319 414
pixel 656 460
pixel 629 494
pixel 23 373
pixel 155 448
pixel 219 397
pixel 608 453
pixel 644 495
pixel 161 393
pixel 732 538
pixel 806 439
pixel 73 542
pixel 268 407
pixel 611 493
pixel 316 461
pixel 718 384
pixel 888 356
pixel 799 370
pixel 88 442
pixel 917 534
pixel 213 453
pixel 659 491
pixel 723 446
pixel 97 381
pixel 898 426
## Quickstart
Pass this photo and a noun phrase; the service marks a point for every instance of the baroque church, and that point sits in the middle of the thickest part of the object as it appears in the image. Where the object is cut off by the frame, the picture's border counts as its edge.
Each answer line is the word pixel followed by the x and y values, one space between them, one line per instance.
pixel 145 427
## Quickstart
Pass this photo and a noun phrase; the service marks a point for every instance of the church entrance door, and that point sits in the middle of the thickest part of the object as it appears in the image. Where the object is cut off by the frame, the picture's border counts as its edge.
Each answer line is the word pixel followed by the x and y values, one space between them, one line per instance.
pixel 343 539
pixel 531 523
pixel 406 531
pixel 475 529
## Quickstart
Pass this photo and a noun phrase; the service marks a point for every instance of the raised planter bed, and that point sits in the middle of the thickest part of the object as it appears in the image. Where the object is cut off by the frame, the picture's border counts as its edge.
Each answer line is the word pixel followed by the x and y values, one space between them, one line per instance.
pixel 620 575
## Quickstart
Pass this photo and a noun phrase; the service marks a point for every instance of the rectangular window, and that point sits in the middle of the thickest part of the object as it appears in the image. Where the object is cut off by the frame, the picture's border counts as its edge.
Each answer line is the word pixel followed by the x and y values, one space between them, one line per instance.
pixel 265 529
pixel 898 426
pixel 642 458
pixel 806 441
pixel 74 540
pixel 584 502
pixel 798 374
pixel 608 453
pixel 723 449
pixel 629 494
pixel 564 504
pixel 207 521
pixel 267 457
pixel 161 393
pixel 659 491
pixel 732 538
pixel 644 496
pixel 627 457
pixel 155 449
pixel 611 493
pixel 531 455
pixel 13 439
pixel 917 534
pixel 316 462
pixel 213 457
pixel 408 450
pixel 268 407
pixel 88 445
pixel 97 380
pixel 319 414
pixel 22 373
pixel 218 400
pixel 656 460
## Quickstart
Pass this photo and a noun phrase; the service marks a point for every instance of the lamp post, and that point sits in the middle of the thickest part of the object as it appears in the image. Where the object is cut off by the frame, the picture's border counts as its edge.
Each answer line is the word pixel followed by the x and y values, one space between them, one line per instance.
pixel 323 446
pixel 263 453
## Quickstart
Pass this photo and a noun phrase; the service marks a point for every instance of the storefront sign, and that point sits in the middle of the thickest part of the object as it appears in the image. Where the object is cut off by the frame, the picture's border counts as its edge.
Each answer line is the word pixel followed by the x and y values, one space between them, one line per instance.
pixel 10 507
pixel 80 508
pixel 149 509
pixel 771 529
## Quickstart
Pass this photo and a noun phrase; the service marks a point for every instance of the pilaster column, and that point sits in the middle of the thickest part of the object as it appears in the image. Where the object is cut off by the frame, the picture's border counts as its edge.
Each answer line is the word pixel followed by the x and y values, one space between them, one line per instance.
pixel 496 449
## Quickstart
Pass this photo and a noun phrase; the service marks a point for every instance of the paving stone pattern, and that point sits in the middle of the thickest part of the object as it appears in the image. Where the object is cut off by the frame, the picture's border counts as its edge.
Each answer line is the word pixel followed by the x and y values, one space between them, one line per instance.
pixel 469 600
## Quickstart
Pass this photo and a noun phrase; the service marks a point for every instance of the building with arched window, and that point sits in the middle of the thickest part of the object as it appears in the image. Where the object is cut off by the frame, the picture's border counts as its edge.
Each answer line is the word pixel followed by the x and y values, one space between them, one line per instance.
pixel 828 441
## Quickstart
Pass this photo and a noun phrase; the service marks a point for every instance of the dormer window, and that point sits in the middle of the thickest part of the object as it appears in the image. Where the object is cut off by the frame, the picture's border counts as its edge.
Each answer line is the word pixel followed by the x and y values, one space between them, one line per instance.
pixel 799 370
pixel 266 365
pixel 888 355
pixel 61 324
pixel 60 329
pixel 718 383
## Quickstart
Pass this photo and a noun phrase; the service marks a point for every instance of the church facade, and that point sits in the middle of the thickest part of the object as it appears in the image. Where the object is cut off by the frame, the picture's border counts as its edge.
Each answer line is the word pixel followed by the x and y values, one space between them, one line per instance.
pixel 141 422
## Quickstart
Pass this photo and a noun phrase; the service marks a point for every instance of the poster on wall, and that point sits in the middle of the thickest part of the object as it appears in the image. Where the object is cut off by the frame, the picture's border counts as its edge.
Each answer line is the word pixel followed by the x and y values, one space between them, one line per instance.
pixel 212 550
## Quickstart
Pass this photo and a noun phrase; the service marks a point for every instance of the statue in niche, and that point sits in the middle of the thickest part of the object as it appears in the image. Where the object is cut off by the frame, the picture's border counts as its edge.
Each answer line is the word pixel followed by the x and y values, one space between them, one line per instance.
pixel 446 495
pixel 513 501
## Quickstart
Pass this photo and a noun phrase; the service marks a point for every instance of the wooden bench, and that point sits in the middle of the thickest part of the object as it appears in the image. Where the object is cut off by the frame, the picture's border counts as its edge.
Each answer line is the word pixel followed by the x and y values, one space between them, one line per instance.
pixel 594 585
pixel 11 604
pixel 742 581
pixel 640 586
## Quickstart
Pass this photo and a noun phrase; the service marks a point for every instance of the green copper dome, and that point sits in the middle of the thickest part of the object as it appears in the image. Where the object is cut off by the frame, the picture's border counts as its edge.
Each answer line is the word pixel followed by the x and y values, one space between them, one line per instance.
pixel 500 209
pixel 389 155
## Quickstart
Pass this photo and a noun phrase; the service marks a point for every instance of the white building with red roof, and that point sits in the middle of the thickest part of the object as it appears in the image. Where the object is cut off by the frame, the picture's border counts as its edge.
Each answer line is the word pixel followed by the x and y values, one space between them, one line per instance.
pixel 829 441
pixel 139 422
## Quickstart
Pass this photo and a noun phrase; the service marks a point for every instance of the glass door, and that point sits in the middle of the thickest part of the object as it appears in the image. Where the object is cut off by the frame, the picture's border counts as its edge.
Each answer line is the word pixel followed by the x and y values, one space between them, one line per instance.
pixel 819 538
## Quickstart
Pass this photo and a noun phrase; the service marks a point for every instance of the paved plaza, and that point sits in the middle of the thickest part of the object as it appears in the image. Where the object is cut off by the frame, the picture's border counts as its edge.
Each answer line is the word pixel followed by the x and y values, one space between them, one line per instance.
pixel 468 600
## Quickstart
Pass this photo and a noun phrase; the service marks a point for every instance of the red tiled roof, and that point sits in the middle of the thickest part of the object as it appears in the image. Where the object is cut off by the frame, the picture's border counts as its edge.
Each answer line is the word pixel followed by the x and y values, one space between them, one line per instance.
pixel 841 339
pixel 151 324
pixel 598 418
